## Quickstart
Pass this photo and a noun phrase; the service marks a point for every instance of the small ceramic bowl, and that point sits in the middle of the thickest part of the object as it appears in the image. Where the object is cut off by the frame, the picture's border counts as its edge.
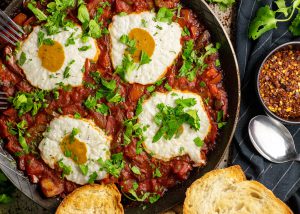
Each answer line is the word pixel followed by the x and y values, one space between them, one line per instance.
pixel 295 45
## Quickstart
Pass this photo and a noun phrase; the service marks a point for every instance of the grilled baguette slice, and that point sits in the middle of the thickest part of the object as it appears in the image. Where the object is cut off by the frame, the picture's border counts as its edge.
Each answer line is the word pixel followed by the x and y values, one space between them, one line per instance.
pixel 226 191
pixel 92 199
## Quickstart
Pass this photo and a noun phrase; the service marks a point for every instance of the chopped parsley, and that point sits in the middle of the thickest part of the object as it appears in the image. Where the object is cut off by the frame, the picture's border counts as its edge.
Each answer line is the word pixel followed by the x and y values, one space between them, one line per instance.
pixel 84 48
pixel 144 23
pixel 170 119
pixel 220 116
pixel 154 198
pixel 151 88
pixel 40 15
pixel 77 115
pixel 136 170
pixel 198 141
pixel 70 40
pixel 202 84
pixel 168 87
pixel 114 165
pixel 72 135
pixel 66 170
pixel 29 102
pixel 84 169
pixel 130 43
pixel 164 15
pixel 157 173
pixel 192 63
pixel 66 73
pixel 93 177
pixel 22 59
pixel 186 32
pixel 145 59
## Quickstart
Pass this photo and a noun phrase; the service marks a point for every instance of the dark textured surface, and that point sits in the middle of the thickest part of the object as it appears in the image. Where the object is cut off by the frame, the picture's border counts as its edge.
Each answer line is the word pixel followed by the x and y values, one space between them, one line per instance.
pixel 282 179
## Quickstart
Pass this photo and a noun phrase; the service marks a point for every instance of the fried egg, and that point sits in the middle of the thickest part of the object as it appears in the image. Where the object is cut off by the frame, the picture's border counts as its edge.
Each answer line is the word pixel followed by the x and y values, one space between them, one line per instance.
pixel 87 146
pixel 47 65
pixel 160 40
pixel 179 145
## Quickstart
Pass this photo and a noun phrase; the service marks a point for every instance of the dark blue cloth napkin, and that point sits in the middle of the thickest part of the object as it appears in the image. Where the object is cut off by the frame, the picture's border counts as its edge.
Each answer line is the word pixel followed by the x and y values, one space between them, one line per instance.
pixel 282 179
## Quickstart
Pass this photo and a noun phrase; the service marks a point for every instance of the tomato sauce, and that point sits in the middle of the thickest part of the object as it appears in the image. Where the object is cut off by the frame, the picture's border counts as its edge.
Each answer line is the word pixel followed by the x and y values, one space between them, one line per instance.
pixel 71 102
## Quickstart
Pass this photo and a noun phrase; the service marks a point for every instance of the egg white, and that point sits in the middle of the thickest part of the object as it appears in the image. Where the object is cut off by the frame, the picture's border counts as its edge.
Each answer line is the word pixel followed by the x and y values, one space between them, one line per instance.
pixel 167 45
pixel 96 142
pixel 39 76
pixel 177 146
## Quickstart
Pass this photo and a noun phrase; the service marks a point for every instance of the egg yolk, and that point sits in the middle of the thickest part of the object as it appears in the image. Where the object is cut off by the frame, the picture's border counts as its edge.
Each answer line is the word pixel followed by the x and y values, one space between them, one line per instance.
pixel 74 149
pixel 52 56
pixel 144 42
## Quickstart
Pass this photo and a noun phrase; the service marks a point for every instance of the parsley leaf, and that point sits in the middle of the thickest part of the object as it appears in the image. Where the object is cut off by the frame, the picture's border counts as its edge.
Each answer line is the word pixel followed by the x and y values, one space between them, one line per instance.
pixel 84 169
pixel 145 59
pixel 84 48
pixel 29 102
pixel 130 43
pixel 37 12
pixel 135 170
pixel 295 26
pixel 22 59
pixel 93 177
pixel 66 170
pixel 164 15
pixel 66 73
pixel 154 198
pixel 198 141
pixel 83 14
pixel 114 165
pixel 157 173
pixel 170 119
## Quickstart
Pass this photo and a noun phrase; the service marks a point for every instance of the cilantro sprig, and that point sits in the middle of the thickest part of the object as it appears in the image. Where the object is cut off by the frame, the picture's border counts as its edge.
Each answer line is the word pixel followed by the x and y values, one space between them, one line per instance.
pixel 170 119
pixel 267 19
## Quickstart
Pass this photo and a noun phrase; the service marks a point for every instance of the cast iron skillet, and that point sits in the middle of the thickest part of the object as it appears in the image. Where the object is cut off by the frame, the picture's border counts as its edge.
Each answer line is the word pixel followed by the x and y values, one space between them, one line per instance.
pixel 232 84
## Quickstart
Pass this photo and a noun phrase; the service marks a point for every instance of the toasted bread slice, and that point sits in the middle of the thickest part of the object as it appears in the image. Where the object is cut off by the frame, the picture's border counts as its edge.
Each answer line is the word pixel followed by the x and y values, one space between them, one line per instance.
pixel 226 191
pixel 200 196
pixel 92 199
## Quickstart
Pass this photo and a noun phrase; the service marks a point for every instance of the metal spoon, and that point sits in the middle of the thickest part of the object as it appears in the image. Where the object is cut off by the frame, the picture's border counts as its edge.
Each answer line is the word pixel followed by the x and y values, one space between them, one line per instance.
pixel 272 139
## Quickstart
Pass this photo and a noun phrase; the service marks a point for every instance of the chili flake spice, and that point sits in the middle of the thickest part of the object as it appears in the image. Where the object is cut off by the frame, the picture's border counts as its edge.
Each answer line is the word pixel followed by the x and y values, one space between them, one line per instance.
pixel 279 83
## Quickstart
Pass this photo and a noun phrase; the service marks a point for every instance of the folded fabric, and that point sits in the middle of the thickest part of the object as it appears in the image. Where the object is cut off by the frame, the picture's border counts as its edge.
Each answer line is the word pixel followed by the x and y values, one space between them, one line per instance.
pixel 282 179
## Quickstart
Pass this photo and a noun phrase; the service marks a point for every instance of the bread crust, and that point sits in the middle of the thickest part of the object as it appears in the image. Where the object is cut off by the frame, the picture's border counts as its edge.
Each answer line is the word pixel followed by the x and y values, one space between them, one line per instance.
pixel 94 198
pixel 220 190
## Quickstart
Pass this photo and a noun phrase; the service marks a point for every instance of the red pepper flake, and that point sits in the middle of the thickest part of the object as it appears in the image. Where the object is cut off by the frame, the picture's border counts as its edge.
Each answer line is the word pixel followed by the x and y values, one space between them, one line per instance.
pixel 279 83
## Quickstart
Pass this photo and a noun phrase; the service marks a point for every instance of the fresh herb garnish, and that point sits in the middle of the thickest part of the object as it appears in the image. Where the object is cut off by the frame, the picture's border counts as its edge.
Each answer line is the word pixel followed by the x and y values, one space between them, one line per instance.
pixel 84 169
pixel 136 170
pixel 130 43
pixel 198 141
pixel 93 177
pixel 114 165
pixel 40 15
pixel 66 170
pixel 84 48
pixel 66 73
pixel 29 102
pixel 77 115
pixel 164 15
pixel 157 173
pixel 186 32
pixel 220 116
pixel 22 59
pixel 145 59
pixel 72 135
pixel 170 119
pixel 266 20
pixel 192 63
